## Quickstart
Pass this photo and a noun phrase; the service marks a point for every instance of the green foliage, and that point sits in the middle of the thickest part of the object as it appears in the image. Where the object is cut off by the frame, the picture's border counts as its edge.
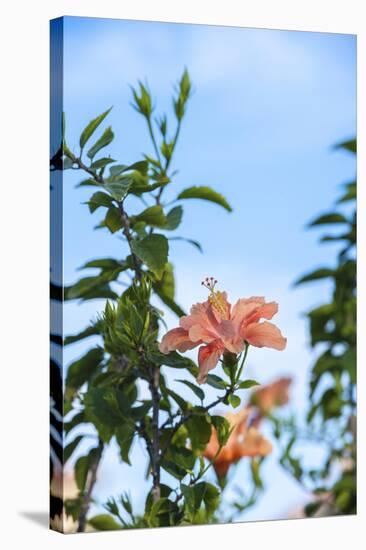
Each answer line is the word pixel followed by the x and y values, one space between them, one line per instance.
pixel 104 522
pixel 332 387
pixel 174 218
pixel 350 145
pixel 206 194
pixel 99 199
pixel 246 384
pixel 91 127
pixel 153 251
pixel 199 429
pixel 196 390
pixel 102 142
pixel 222 428
pixel 103 388
pixel 82 370
pixel 234 401
pixel 91 330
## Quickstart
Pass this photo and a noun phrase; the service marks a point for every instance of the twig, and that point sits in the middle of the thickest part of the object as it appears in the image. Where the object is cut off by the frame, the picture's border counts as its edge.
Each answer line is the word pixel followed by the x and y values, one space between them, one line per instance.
pixel 155 394
pixel 86 499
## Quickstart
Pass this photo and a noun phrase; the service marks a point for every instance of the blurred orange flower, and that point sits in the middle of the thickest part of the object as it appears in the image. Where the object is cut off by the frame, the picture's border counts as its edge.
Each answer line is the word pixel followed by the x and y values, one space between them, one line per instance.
pixel 244 440
pixel 272 395
pixel 221 327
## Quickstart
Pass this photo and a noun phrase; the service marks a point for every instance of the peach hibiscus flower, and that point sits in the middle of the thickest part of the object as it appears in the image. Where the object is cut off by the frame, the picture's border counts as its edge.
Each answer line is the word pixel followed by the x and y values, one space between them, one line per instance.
pixel 272 395
pixel 218 327
pixel 244 440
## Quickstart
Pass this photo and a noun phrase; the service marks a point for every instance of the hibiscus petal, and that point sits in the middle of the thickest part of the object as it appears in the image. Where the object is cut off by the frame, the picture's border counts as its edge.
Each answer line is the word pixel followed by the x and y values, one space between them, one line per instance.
pixel 176 339
pixel 226 329
pixel 208 357
pixel 254 444
pixel 201 315
pixel 198 333
pixel 245 307
pixel 265 311
pixel 264 335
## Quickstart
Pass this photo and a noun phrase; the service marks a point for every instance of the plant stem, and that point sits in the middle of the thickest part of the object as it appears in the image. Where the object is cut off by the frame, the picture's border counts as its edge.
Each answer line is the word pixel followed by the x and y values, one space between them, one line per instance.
pixel 151 132
pixel 127 233
pixel 124 217
pixel 155 450
pixel 86 500
pixel 242 362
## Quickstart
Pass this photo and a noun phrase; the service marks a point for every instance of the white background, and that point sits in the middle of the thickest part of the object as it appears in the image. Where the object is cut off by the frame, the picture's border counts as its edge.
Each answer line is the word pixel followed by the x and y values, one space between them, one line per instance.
pixel 24 271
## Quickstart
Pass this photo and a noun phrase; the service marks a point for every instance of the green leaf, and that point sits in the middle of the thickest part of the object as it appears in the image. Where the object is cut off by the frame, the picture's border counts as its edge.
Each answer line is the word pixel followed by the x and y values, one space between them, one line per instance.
pixel 330 218
pixel 196 390
pixel 81 472
pixel 182 404
pixel 163 513
pixel 165 491
pixel 101 163
pixel 83 369
pixel 88 183
pixel 153 216
pixel 189 500
pixel 172 359
pixel 90 288
pixel 194 243
pixel 321 273
pixel 94 286
pixel 211 498
pixel 173 469
pixel 350 145
pixel 99 199
pixel 142 103
pixel 101 413
pixel 119 188
pixel 205 193
pixel 103 141
pixel 106 264
pixel 234 401
pixel 72 507
pixel 255 470
pixel 193 496
pixel 113 219
pixel 104 522
pixel 222 427
pixel 141 166
pixel 91 127
pixel 124 436
pixel 199 431
pixel 166 285
pixel 174 218
pixel 216 382
pixel 117 169
pixel 351 193
pixel 70 448
pixel 181 456
pixel 246 384
pixel 92 330
pixel 153 251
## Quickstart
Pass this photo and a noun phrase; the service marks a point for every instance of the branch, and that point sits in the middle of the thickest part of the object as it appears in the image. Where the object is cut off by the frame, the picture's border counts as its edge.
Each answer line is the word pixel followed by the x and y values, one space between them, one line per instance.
pixel 155 451
pixel 124 217
pixel 86 500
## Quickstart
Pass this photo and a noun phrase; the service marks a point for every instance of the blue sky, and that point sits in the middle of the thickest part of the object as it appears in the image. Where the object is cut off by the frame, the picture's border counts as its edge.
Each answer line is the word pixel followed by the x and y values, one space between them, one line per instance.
pixel 268 106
